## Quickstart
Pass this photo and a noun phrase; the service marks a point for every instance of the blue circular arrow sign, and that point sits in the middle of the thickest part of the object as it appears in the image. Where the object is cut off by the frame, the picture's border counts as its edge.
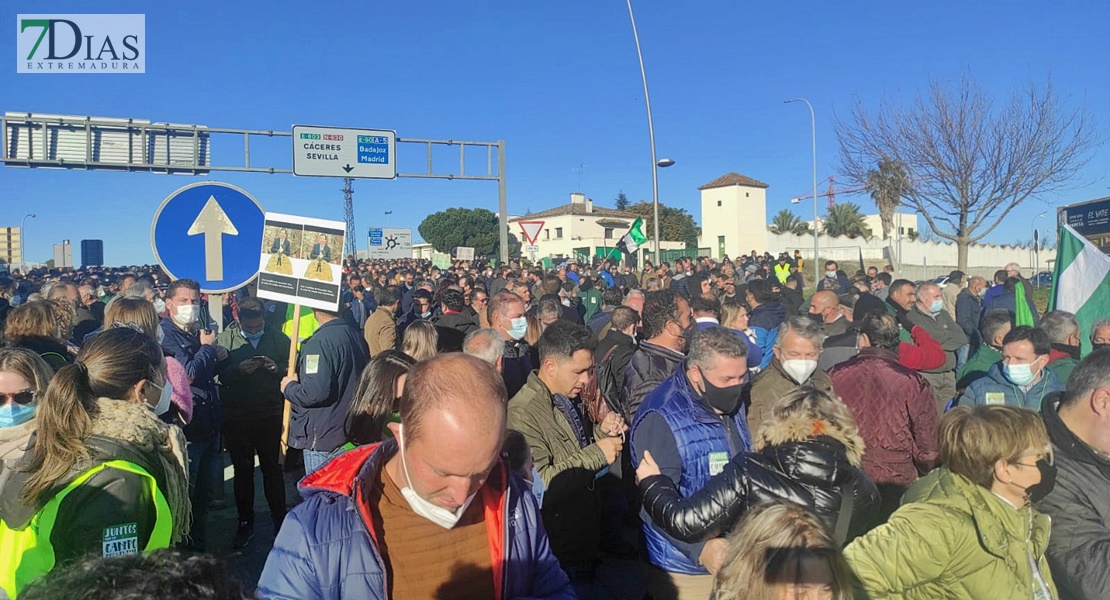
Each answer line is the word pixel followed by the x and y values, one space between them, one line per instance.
pixel 210 232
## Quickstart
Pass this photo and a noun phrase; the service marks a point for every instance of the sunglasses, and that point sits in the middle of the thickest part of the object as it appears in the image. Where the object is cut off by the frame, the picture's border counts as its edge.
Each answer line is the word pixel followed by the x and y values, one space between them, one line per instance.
pixel 25 397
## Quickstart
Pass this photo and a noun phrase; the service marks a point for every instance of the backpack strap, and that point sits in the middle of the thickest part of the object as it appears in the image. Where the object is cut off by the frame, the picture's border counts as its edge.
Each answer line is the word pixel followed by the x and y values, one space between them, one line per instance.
pixel 844 517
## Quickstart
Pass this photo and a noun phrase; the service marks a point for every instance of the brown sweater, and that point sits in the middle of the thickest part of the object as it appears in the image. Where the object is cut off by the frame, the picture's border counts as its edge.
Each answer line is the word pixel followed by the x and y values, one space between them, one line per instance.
pixel 424 560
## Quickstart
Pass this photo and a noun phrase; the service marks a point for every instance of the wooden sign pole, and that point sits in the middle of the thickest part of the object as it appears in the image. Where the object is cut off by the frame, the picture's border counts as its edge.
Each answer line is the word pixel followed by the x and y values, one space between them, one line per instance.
pixel 294 339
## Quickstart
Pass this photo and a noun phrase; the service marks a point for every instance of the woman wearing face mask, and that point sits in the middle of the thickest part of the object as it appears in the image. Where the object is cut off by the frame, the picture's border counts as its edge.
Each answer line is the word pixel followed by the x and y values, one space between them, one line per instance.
pixel 377 398
pixel 968 529
pixel 734 315
pixel 103 474
pixel 807 453
pixel 24 376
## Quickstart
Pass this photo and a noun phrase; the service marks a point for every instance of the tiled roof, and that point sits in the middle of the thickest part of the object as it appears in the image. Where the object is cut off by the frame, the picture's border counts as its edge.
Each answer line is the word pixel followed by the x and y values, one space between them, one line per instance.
pixel 576 209
pixel 734 179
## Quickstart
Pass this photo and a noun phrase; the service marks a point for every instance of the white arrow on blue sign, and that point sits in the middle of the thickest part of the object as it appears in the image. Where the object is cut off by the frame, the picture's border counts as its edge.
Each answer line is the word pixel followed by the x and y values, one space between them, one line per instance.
pixel 210 232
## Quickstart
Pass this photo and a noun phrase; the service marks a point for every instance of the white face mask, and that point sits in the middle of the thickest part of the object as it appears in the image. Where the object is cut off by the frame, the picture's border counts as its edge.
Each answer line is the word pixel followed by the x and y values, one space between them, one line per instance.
pixel 163 399
pixel 799 370
pixel 159 306
pixel 186 315
pixel 537 486
pixel 434 513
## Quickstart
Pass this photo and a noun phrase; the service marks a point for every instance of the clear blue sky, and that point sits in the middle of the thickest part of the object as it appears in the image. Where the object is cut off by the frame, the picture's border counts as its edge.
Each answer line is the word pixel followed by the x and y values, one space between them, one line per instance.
pixel 558 81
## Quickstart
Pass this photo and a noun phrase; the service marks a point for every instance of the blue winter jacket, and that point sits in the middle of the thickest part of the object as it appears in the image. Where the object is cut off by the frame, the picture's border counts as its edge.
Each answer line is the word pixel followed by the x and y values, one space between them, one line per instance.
pixel 327 547
pixel 201 365
pixel 764 321
pixel 996 389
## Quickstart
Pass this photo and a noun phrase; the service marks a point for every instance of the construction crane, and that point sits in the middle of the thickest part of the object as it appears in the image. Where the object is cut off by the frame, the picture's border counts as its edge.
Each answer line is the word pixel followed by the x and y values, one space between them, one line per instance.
pixel 349 215
pixel 830 192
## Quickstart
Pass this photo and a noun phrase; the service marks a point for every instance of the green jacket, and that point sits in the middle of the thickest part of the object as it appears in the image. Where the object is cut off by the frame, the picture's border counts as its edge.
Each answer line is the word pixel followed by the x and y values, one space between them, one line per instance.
pixel 570 511
pixel 247 396
pixel 1062 368
pixel 977 366
pixel 952 539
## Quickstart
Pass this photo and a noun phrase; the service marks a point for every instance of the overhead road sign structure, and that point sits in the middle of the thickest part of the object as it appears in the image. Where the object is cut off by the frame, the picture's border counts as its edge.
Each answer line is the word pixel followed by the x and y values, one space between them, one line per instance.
pixel 531 230
pixel 342 152
pixel 210 232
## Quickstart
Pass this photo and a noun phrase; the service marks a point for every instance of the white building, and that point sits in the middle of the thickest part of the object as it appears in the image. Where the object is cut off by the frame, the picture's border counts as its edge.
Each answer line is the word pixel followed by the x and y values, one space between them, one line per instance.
pixel 733 215
pixel 905 221
pixel 579 230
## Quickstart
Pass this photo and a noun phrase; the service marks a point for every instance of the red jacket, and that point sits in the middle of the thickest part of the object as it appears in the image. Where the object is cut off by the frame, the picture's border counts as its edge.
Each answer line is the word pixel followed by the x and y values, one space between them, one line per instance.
pixel 896 413
pixel 923 354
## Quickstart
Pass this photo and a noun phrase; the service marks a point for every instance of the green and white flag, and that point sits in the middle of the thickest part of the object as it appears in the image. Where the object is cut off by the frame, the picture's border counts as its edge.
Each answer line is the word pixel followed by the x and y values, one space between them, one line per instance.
pixel 634 238
pixel 1081 282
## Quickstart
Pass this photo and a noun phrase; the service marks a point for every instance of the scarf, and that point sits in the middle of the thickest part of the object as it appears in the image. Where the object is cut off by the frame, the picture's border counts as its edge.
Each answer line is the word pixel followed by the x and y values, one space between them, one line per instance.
pixel 137 425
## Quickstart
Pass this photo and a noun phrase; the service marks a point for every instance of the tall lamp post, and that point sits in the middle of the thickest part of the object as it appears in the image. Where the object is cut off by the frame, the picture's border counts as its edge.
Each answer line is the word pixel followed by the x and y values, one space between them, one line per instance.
pixel 23 242
pixel 655 164
pixel 1036 250
pixel 813 129
pixel 387 213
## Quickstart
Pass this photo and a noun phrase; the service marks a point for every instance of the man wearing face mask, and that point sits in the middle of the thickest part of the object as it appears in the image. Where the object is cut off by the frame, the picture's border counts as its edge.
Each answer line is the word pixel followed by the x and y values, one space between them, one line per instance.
pixel 825 307
pixel 1020 379
pixel 1063 332
pixel 432 513
pixel 195 346
pixel 667 323
pixel 692 424
pixel 1100 334
pixel 894 408
pixel 797 350
pixel 252 404
pixel 1078 423
pixel 506 316
pixel 929 314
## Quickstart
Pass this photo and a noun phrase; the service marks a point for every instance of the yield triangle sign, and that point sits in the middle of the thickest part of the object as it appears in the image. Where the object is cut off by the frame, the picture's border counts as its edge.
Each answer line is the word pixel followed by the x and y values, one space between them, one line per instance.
pixel 531 230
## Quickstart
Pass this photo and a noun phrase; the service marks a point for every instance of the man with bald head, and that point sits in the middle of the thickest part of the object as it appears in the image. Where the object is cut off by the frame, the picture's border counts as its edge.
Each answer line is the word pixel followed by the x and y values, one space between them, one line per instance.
pixel 414 517
pixel 929 314
pixel 825 307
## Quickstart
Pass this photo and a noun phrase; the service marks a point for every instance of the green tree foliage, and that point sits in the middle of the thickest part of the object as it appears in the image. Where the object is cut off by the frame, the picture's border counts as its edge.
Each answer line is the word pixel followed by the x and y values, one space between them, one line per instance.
pixel 887 184
pixel 622 201
pixel 786 221
pixel 675 224
pixel 469 227
pixel 845 219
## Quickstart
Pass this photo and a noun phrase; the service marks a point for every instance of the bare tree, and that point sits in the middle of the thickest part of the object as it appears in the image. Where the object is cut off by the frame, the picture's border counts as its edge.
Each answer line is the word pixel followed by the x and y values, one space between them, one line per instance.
pixel 968 163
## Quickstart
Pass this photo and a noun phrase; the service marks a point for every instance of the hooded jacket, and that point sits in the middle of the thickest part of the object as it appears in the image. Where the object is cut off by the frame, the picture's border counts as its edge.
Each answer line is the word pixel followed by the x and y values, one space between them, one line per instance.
pixel 996 389
pixel 788 466
pixel 954 539
pixel 1079 505
pixel 327 548
pixel 895 411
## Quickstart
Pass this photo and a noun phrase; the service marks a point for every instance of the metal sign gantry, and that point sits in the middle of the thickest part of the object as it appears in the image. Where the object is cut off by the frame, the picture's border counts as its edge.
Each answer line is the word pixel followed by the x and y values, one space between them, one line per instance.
pixel 35 140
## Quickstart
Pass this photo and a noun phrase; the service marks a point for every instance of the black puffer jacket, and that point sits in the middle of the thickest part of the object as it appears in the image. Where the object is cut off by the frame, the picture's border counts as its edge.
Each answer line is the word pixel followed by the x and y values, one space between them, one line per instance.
pixel 648 367
pixel 811 473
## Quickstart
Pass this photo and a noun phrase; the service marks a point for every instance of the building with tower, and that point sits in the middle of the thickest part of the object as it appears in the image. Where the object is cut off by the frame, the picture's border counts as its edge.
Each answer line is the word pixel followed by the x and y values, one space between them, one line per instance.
pixel 733 215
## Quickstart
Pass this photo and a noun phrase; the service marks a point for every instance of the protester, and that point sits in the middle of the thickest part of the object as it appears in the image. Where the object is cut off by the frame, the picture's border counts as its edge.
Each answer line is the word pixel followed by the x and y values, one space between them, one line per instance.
pixel 506 316
pixel 667 321
pixel 377 399
pixel 796 352
pixel 781 551
pixel 451 325
pixel 1100 334
pixel 951 290
pixel 835 280
pixel 894 407
pixel 993 328
pixel 250 391
pixel 24 377
pixel 487 345
pixel 195 346
pixel 322 389
pixel 420 340
pixel 807 452
pixel 103 474
pixel 1064 334
pixel 692 424
pixel 32 325
pixel 967 530
pixel 735 315
pixel 928 313
pixel 569 464
pixel 1079 504
pixel 1007 299
pixel 825 307
pixel 1021 378
pixel 380 329
pixel 766 315
pixel 706 311
pixel 433 513
pixel 611 298
pixel 614 352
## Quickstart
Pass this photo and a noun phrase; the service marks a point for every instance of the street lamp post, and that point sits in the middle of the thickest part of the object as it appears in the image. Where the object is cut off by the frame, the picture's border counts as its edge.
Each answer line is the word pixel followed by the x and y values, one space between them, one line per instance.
pixel 655 164
pixel 1036 250
pixel 387 213
pixel 23 242
pixel 813 129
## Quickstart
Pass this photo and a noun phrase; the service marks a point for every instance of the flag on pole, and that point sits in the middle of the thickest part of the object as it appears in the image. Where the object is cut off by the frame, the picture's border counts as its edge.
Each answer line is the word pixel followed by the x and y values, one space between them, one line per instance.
pixel 1081 282
pixel 634 238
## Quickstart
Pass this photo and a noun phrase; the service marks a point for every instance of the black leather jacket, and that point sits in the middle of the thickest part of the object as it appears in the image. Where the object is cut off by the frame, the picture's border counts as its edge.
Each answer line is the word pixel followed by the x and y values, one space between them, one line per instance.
pixel 809 473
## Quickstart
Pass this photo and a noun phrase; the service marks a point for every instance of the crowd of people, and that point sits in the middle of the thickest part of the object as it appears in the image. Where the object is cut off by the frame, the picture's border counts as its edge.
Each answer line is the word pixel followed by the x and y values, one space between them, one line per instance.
pixel 498 431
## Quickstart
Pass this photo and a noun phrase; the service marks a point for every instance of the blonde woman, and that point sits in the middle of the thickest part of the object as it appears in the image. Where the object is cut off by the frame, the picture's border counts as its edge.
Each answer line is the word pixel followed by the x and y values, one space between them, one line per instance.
pixel 967 530
pixel 783 552
pixel 134 311
pixel 420 340
pixel 33 325
pixel 734 315
pixel 24 376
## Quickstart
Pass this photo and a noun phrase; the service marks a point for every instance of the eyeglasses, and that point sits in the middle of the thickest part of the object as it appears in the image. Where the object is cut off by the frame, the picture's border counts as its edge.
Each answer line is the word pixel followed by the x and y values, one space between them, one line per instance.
pixel 25 397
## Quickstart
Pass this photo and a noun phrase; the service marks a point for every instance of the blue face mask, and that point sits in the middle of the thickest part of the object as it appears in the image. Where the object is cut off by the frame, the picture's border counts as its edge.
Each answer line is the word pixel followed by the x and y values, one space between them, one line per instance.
pixel 254 337
pixel 13 414
pixel 936 306
pixel 519 327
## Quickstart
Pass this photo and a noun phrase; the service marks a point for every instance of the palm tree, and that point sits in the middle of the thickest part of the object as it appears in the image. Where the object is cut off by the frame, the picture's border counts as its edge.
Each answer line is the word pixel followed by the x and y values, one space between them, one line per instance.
pixel 787 222
pixel 845 219
pixel 887 185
